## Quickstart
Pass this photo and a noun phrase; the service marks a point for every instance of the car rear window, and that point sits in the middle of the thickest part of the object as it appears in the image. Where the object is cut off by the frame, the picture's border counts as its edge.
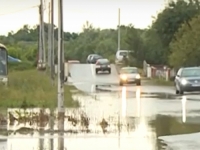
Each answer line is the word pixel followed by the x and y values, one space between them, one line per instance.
pixel 190 73
pixel 104 62
pixel 129 71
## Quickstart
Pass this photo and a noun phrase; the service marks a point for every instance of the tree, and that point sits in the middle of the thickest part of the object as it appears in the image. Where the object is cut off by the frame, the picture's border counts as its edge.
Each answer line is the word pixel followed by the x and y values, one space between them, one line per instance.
pixel 24 43
pixel 171 18
pixel 135 44
pixel 168 22
pixel 186 48
pixel 154 52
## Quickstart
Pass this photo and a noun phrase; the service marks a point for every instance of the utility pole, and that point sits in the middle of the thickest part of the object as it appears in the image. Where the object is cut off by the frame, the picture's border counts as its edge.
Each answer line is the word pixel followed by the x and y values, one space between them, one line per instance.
pixel 52 42
pixel 118 29
pixel 61 108
pixel 42 32
pixel 40 38
pixel 49 37
pixel 52 67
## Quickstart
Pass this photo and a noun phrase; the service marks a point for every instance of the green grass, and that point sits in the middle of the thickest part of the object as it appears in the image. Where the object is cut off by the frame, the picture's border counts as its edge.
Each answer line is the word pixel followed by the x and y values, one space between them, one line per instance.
pixel 32 88
pixel 155 81
pixel 160 82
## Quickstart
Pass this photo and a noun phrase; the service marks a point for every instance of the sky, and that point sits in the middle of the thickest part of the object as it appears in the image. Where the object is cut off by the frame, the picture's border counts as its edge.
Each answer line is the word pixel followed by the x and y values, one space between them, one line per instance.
pixel 100 13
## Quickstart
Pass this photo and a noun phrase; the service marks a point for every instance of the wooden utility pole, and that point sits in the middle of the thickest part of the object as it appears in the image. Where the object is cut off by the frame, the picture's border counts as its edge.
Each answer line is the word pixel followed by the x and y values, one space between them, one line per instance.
pixel 52 43
pixel 43 35
pixel 61 108
pixel 119 122
pixel 40 38
pixel 118 29
pixel 49 37
pixel 52 67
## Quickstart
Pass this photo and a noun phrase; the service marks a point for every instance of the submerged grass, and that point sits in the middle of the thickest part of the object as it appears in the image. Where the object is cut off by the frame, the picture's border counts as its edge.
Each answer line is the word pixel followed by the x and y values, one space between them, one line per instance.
pixel 32 88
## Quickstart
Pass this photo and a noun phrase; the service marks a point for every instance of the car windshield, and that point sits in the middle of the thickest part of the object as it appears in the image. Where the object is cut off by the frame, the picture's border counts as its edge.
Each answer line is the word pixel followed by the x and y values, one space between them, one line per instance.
pixel 190 73
pixel 97 56
pixel 123 53
pixel 129 70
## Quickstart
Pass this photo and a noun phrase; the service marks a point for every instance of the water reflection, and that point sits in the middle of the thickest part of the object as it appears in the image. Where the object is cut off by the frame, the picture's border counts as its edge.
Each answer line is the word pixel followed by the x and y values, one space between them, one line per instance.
pixel 142 131
pixel 97 123
pixel 138 92
pixel 123 101
pixel 184 99
pixel 51 125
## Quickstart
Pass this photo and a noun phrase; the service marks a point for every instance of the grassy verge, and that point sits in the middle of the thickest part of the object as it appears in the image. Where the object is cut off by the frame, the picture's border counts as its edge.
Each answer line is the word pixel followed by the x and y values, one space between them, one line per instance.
pixel 155 81
pixel 159 82
pixel 32 88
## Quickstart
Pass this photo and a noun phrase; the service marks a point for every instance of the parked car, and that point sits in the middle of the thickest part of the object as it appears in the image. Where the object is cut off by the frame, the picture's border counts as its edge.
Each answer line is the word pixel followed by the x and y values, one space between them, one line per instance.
pixel 129 75
pixel 89 57
pixel 120 54
pixel 187 80
pixel 92 58
pixel 103 65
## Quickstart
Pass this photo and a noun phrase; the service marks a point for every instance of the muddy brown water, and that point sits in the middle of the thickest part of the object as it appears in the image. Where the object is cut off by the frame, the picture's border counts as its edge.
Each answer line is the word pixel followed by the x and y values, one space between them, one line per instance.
pixel 107 121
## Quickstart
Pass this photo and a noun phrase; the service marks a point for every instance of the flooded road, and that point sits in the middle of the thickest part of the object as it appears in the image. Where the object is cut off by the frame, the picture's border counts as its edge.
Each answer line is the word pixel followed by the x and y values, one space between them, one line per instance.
pixel 110 117
pixel 111 121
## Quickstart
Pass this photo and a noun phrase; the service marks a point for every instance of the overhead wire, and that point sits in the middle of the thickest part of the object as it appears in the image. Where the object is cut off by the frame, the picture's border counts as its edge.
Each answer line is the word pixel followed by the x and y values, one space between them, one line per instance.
pixel 4 14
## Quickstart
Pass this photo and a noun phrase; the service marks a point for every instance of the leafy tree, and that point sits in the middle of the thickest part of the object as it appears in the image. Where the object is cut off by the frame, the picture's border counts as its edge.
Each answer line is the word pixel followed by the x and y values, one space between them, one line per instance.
pixel 170 19
pixel 186 48
pixel 135 44
pixel 154 52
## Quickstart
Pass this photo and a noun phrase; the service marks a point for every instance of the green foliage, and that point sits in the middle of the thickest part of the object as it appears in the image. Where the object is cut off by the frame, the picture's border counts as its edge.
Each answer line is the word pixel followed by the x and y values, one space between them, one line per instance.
pixel 169 21
pixel 165 38
pixel 31 88
pixel 186 48
pixel 25 65
pixel 171 18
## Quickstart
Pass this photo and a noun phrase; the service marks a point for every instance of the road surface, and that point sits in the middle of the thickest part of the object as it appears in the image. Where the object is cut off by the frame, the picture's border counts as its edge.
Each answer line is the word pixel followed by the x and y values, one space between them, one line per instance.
pixel 146 101
pixel 146 117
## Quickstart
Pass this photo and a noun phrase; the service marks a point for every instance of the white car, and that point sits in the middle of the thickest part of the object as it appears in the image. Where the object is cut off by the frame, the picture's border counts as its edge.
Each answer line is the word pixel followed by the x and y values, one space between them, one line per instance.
pixel 120 55
pixel 129 75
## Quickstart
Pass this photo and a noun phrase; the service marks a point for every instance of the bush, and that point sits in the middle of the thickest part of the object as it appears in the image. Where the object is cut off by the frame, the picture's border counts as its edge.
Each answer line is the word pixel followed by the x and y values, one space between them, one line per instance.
pixel 20 66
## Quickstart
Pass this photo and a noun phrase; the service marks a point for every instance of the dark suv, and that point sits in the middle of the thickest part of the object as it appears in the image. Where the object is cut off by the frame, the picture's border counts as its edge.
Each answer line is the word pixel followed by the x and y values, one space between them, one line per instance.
pixel 103 65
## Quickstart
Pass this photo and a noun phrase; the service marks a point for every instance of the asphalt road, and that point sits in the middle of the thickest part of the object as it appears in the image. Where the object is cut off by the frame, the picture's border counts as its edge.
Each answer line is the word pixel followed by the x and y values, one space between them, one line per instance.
pixel 85 78
pixel 145 101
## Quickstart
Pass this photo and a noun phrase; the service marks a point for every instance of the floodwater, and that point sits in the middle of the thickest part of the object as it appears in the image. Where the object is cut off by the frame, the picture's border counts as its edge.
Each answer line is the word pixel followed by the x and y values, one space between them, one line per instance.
pixel 122 119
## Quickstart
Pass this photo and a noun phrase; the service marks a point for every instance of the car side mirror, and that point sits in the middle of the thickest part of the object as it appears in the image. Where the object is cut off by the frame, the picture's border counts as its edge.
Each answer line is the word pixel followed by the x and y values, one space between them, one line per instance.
pixel 177 75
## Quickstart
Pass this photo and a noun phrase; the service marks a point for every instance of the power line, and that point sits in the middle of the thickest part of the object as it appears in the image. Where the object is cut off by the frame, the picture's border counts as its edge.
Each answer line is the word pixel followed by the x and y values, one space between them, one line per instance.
pixel 19 10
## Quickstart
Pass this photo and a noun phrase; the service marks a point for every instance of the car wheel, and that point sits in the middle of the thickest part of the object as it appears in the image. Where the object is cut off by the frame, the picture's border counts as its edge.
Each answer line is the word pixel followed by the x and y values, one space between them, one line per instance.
pixel 109 71
pixel 138 83
pixel 179 90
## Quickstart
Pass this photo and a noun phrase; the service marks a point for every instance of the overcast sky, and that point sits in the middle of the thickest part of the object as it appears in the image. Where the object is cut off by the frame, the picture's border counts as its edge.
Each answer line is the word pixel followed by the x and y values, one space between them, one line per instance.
pixel 101 13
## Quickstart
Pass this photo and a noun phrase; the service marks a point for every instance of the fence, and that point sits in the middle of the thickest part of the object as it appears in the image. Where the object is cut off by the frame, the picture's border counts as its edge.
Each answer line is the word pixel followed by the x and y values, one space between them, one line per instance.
pixel 157 71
